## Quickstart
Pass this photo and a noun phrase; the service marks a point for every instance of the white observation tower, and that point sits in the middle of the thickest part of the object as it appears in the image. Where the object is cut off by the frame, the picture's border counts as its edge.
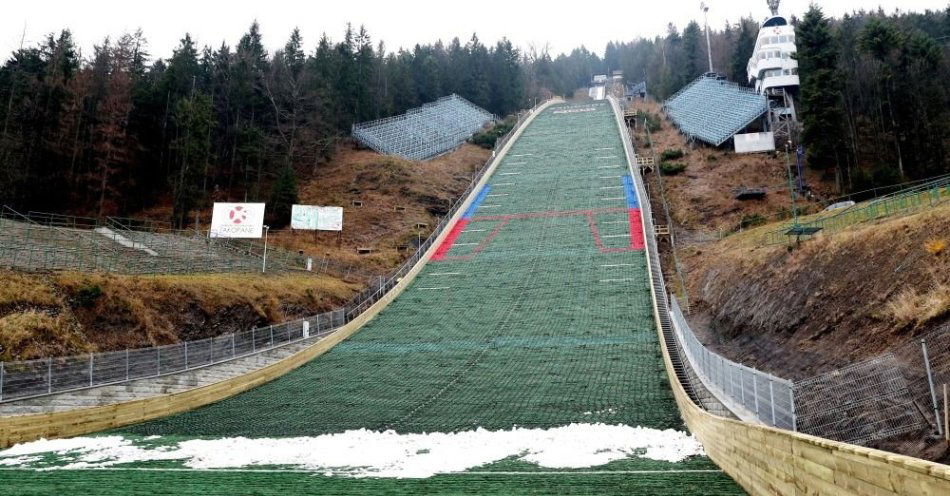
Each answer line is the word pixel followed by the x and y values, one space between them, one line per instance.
pixel 773 71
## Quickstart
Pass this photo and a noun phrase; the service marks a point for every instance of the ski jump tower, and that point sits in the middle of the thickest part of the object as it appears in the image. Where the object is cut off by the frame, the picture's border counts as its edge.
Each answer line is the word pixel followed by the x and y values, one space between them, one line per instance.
pixel 774 72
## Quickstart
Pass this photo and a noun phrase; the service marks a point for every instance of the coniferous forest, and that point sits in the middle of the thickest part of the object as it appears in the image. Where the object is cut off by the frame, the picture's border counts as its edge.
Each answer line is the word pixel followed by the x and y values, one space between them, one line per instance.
pixel 117 130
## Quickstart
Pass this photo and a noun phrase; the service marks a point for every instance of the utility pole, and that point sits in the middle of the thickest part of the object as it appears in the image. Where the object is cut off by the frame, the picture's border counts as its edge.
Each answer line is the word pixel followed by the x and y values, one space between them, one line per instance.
pixel 791 186
pixel 264 264
pixel 705 9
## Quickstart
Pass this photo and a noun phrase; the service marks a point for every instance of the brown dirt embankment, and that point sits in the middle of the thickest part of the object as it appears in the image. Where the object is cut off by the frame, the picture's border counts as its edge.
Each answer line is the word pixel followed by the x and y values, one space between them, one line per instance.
pixel 66 313
pixel 396 196
pixel 54 314
pixel 702 197
pixel 827 302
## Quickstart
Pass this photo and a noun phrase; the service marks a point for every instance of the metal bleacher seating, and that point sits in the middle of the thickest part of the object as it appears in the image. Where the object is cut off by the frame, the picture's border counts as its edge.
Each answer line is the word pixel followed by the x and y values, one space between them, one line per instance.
pixel 713 110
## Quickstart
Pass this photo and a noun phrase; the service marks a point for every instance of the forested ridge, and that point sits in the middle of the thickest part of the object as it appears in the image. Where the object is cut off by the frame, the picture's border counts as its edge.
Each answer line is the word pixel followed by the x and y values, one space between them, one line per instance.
pixel 875 87
pixel 118 131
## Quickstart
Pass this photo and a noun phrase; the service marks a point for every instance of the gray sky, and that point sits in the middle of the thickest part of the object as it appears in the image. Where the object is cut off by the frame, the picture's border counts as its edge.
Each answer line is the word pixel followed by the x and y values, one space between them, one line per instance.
pixel 398 23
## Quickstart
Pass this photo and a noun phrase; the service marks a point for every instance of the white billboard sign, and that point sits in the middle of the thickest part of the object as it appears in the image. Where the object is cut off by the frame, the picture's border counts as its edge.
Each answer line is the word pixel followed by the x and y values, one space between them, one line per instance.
pixel 754 142
pixel 314 218
pixel 237 220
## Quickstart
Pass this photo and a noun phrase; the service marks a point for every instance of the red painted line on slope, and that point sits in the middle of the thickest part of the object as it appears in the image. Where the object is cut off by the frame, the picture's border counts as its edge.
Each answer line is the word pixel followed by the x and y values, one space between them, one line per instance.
pixel 481 246
pixel 636 230
pixel 449 240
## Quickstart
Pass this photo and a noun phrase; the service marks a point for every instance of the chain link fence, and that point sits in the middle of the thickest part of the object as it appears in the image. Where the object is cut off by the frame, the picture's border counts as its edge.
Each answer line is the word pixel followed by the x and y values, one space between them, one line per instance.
pixel 32 378
pixel 750 393
pixel 881 397
pixel 918 198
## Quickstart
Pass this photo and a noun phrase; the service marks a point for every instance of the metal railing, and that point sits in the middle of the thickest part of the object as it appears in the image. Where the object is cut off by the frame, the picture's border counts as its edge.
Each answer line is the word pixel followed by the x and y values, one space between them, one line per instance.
pixel 653 258
pixel 918 198
pixel 35 378
pixel 766 398
pixel 749 393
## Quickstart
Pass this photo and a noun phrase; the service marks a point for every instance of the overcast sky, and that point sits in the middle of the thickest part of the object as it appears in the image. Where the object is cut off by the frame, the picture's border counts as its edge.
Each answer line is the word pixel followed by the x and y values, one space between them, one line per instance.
pixel 559 25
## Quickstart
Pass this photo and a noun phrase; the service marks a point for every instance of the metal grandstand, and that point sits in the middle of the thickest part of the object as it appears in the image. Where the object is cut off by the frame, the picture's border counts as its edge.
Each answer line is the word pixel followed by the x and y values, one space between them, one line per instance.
pixel 45 241
pixel 426 131
pixel 713 110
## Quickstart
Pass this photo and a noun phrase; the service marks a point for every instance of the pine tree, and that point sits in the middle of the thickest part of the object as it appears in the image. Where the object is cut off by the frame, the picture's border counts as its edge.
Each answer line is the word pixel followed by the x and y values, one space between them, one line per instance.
pixel 183 70
pixel 820 91
pixel 478 83
pixel 194 120
pixel 283 197
pixel 745 44
pixel 692 51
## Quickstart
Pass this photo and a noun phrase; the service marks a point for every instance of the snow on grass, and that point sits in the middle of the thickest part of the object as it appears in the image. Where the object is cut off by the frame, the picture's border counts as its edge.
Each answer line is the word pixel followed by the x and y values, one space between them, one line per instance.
pixel 363 453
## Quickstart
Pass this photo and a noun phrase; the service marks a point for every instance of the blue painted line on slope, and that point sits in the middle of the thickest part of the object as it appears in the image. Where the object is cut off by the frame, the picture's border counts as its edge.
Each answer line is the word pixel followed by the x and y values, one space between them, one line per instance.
pixel 475 204
pixel 630 193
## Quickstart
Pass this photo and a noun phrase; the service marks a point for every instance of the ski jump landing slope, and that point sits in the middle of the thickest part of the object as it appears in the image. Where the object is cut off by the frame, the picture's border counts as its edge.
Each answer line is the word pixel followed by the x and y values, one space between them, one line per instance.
pixel 518 361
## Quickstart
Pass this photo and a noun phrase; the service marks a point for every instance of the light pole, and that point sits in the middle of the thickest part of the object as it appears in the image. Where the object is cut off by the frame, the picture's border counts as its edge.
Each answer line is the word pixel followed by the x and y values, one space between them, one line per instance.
pixel 264 266
pixel 791 187
pixel 705 9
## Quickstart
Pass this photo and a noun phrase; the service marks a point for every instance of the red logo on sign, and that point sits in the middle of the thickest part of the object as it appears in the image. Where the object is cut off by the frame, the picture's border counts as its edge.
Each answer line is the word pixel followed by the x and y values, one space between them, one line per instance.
pixel 237 215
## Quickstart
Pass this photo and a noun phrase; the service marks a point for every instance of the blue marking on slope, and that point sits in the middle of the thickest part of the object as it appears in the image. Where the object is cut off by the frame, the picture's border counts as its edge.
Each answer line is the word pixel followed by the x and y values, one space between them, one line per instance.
pixel 630 193
pixel 475 204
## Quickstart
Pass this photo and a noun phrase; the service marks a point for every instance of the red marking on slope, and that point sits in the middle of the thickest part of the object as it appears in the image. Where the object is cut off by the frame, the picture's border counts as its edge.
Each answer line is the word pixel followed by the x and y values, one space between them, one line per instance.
pixel 481 245
pixel 636 230
pixel 449 240
pixel 597 241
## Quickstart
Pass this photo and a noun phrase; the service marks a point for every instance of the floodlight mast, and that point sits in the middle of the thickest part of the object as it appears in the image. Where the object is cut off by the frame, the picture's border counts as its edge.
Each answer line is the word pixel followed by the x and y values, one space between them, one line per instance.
pixel 705 9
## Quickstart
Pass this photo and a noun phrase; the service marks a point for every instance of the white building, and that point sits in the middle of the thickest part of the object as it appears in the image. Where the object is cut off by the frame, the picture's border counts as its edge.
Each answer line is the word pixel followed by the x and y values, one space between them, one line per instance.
pixel 773 71
pixel 772 67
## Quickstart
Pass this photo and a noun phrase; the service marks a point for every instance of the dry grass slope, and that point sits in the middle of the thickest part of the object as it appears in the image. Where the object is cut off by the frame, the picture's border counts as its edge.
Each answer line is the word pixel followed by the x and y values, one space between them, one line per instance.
pixel 64 313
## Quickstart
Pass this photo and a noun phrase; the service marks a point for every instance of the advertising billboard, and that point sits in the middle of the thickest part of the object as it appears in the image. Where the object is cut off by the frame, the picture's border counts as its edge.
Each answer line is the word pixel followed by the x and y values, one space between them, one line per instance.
pixel 237 220
pixel 315 218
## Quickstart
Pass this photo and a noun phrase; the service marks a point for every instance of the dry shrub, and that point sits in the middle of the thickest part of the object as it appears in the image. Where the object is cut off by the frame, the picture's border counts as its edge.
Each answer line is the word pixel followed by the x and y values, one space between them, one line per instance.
pixel 33 334
pixel 913 307
pixel 935 246
pixel 19 289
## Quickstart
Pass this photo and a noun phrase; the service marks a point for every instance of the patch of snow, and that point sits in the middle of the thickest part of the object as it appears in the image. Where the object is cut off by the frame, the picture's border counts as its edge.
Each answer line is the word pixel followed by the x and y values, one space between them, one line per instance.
pixel 363 453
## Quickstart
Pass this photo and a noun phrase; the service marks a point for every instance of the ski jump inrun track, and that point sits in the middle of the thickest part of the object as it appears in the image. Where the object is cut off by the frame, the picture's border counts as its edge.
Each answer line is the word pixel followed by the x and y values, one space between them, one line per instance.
pixel 522 358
